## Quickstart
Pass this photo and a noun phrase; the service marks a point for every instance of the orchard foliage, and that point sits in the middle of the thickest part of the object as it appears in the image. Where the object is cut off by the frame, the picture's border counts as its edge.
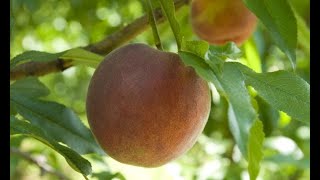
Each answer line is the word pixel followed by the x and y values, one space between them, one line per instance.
pixel 259 123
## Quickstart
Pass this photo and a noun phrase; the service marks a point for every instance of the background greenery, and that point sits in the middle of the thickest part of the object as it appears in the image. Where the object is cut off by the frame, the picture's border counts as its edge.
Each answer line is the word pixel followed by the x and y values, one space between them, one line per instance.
pixel 58 25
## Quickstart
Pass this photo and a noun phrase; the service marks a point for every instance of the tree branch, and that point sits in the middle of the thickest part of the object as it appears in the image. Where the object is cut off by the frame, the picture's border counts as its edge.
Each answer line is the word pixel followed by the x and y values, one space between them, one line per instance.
pixel 44 167
pixel 102 47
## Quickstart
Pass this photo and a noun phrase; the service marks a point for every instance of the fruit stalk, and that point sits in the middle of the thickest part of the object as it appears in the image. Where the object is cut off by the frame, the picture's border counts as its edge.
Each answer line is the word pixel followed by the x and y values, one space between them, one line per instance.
pixel 153 24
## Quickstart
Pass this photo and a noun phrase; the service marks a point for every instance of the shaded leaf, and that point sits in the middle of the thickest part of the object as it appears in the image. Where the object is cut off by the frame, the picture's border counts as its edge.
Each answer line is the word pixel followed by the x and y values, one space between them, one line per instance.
pixel 283 90
pixel 30 87
pixel 268 115
pixel 77 162
pixel 60 122
pixel 36 56
pixel 241 113
pixel 200 66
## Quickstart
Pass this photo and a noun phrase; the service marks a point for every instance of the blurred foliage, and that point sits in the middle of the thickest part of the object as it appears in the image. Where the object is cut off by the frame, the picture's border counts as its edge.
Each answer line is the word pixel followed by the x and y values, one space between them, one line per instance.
pixel 58 25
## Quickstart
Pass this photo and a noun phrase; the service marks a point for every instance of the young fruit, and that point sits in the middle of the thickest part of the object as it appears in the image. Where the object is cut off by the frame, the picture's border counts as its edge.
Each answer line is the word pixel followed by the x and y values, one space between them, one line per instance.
pixel 145 107
pixel 220 21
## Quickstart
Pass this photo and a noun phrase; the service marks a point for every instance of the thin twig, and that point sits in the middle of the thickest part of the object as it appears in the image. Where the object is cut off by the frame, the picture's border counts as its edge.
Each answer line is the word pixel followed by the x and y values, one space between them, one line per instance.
pixel 44 167
pixel 102 47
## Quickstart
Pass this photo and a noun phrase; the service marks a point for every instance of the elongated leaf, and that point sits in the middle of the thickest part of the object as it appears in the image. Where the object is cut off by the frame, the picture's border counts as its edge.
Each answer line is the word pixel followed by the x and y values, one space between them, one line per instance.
pixel 217 55
pixel 200 66
pixel 198 48
pixel 240 112
pixel 36 56
pixel 30 87
pixel 251 56
pixel 283 90
pixel 229 50
pixel 58 121
pixel 108 175
pixel 303 34
pixel 77 162
pixel 279 19
pixel 81 56
pixel 268 115
pixel 255 145
pixel 169 11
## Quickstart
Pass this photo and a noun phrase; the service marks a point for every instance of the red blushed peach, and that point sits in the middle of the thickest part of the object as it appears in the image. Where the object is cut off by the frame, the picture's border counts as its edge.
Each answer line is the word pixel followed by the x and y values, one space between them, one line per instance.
pixel 145 107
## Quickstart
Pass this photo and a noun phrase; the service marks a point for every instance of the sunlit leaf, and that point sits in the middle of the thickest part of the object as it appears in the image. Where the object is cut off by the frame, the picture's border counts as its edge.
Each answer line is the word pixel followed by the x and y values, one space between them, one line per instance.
pixel 255 145
pixel 279 19
pixel 251 56
pixel 81 56
pixel 198 48
pixel 229 50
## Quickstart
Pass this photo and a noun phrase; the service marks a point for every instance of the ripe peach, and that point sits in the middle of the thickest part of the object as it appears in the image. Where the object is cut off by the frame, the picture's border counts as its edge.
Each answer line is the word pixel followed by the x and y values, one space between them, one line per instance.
pixel 220 21
pixel 145 107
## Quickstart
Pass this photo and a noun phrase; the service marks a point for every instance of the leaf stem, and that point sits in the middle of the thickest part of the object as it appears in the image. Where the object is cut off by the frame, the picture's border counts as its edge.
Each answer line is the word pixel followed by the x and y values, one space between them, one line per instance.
pixel 168 10
pixel 152 22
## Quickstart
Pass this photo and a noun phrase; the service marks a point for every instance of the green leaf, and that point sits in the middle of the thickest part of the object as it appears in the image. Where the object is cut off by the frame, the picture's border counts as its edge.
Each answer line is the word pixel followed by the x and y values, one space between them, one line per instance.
pixel 217 55
pixel 35 56
pixel 108 175
pixel 279 19
pixel 168 10
pixel 198 48
pixel 81 56
pixel 268 115
pixel 255 145
pixel 251 56
pixel 229 50
pixel 303 34
pixel 241 113
pixel 283 90
pixel 13 110
pixel 58 121
pixel 30 87
pixel 200 66
pixel 77 162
